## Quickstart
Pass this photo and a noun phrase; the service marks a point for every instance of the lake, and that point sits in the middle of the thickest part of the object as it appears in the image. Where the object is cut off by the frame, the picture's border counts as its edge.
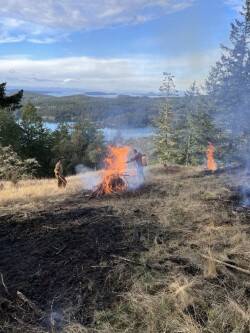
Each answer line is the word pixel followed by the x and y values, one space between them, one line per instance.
pixel 111 133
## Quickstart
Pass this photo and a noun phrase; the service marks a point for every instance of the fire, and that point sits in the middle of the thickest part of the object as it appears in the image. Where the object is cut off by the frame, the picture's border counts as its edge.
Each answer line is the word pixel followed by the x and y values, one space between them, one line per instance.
pixel 115 169
pixel 211 164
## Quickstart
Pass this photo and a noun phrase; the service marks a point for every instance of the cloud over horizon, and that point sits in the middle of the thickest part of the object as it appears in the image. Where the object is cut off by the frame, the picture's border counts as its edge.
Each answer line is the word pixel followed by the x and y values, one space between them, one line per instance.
pixel 138 74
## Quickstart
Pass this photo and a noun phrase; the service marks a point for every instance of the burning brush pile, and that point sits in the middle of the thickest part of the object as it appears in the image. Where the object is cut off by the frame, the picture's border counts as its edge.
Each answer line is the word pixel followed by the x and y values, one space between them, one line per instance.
pixel 114 175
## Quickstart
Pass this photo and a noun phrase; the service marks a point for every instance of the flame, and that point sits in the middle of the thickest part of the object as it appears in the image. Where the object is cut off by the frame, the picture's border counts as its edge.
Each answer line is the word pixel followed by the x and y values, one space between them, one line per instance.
pixel 211 164
pixel 115 169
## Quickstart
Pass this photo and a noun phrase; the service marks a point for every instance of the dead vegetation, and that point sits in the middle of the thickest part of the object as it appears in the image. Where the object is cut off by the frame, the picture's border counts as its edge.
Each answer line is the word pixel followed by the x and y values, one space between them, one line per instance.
pixel 171 257
pixel 32 192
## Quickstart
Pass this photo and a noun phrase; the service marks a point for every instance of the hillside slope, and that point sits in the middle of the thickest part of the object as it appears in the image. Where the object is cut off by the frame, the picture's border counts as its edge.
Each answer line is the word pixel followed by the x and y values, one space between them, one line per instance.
pixel 122 111
pixel 140 262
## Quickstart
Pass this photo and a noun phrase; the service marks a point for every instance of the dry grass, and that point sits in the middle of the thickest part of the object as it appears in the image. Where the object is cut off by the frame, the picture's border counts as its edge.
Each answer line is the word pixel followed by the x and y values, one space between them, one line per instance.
pixel 74 328
pixel 181 289
pixel 29 192
pixel 197 220
pixel 210 270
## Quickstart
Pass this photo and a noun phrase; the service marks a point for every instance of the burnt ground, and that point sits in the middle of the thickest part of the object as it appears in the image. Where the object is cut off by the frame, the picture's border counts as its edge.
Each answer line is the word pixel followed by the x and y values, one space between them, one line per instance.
pixel 66 261
pixel 74 260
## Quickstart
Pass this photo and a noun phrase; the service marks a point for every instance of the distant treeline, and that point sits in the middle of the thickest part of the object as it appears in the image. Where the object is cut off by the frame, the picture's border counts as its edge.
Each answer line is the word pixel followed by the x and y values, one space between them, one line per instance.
pixel 122 111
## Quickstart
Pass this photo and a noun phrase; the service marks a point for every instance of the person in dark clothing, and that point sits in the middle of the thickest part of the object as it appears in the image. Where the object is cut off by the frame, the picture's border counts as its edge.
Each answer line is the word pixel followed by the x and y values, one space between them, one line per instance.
pixel 138 159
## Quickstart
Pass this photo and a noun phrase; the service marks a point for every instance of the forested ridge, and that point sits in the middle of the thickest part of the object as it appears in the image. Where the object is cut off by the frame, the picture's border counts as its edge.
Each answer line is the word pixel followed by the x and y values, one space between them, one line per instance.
pixel 122 111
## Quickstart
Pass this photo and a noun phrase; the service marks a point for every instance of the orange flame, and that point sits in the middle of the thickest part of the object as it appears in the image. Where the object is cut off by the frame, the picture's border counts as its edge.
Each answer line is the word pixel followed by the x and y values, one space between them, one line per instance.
pixel 115 169
pixel 211 164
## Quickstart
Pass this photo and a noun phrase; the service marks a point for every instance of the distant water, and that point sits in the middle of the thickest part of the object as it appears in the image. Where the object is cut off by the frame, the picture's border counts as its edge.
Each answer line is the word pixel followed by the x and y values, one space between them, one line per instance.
pixel 128 133
pixel 111 133
pixel 53 126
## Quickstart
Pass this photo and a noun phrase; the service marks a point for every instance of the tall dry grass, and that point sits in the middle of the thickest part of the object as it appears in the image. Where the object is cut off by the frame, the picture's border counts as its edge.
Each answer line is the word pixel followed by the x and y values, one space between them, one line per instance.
pixel 34 190
pixel 195 213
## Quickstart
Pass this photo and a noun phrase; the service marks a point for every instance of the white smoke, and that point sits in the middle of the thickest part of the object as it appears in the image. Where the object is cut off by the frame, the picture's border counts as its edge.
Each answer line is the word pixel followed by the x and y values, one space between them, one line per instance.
pixel 135 180
pixel 90 178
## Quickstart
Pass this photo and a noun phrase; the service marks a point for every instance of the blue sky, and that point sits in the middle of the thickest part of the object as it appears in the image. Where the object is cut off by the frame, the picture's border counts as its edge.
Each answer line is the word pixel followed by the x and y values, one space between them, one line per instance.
pixel 111 45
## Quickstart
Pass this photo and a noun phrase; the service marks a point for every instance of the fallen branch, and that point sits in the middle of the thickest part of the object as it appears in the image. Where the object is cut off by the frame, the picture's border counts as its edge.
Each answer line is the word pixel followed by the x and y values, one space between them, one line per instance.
pixel 138 263
pixel 242 270
pixel 61 250
pixel 49 228
pixel 4 285
pixel 100 266
pixel 31 304
pixel 127 260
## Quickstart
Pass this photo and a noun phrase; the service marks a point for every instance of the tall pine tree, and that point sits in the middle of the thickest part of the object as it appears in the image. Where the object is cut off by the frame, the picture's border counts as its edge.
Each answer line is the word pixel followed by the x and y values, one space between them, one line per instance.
pixel 164 142
pixel 228 84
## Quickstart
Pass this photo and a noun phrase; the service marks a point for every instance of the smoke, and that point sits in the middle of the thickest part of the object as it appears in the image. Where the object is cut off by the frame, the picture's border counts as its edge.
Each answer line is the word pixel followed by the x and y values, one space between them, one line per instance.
pixel 90 178
pixel 135 180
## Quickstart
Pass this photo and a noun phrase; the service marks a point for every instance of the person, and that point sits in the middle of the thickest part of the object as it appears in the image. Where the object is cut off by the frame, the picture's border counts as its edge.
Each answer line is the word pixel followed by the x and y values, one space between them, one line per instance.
pixel 139 160
pixel 61 181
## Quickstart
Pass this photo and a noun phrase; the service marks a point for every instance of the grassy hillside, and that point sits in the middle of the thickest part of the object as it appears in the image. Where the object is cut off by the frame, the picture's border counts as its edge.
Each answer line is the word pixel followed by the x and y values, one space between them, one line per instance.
pixel 165 258
pixel 123 111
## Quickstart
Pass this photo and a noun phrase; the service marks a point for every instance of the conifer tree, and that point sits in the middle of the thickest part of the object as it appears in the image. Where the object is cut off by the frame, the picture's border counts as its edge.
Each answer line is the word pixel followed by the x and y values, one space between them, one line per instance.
pixel 228 84
pixel 195 127
pixel 36 141
pixel 228 87
pixel 164 142
pixel 10 131
pixel 11 102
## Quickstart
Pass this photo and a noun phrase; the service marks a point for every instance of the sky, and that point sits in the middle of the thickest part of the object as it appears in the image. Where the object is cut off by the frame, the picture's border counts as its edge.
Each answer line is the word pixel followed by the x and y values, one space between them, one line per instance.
pixel 120 46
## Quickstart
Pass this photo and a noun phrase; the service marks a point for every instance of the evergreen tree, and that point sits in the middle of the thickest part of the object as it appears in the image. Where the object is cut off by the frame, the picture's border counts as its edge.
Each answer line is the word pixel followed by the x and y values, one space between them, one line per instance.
pixel 81 144
pixel 164 142
pixel 10 131
pixel 10 102
pixel 36 141
pixel 183 135
pixel 62 146
pixel 228 84
pixel 88 145
pixel 194 128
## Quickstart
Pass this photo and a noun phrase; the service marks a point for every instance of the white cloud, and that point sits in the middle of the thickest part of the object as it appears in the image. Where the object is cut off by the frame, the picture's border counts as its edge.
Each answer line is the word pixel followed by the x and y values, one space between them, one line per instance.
pixel 139 74
pixel 45 40
pixel 13 30
pixel 6 38
pixel 50 18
